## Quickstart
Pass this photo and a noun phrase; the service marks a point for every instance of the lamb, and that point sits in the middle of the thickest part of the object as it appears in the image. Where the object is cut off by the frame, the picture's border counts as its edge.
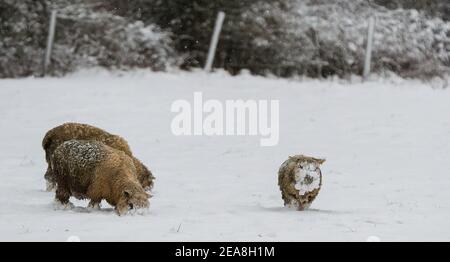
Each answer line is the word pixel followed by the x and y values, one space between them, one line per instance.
pixel 95 171
pixel 58 135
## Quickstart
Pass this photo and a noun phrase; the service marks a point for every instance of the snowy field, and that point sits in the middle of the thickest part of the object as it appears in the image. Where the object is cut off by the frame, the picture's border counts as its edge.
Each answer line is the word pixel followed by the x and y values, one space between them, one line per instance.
pixel 387 174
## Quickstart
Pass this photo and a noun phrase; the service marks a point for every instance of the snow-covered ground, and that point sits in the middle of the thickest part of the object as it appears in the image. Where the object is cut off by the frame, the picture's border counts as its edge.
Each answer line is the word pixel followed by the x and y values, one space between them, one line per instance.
pixel 387 145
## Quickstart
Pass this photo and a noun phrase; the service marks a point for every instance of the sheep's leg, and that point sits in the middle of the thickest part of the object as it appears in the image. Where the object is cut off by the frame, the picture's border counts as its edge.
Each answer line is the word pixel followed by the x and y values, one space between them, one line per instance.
pixel 50 179
pixel 63 194
pixel 94 204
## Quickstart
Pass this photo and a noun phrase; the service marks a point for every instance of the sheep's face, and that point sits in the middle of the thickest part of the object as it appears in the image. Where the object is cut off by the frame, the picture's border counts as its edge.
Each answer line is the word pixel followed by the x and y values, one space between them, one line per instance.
pixel 307 177
pixel 133 200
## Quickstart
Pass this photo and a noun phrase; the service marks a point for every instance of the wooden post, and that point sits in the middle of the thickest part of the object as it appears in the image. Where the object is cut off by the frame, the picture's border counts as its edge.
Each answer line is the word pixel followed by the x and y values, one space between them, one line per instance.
pixel 50 38
pixel 319 61
pixel 214 41
pixel 368 58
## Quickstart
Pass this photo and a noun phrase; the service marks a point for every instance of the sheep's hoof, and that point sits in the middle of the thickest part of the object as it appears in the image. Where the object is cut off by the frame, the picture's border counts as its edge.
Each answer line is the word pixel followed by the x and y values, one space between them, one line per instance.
pixel 94 206
pixel 63 206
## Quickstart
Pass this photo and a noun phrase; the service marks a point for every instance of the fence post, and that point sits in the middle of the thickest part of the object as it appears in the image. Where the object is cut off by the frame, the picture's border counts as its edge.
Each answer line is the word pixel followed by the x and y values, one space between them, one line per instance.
pixel 319 61
pixel 368 57
pixel 214 41
pixel 50 38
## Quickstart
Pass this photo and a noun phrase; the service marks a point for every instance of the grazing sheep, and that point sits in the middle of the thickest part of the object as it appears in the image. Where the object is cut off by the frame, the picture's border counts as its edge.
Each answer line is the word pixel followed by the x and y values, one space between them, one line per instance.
pixel 95 171
pixel 300 180
pixel 68 131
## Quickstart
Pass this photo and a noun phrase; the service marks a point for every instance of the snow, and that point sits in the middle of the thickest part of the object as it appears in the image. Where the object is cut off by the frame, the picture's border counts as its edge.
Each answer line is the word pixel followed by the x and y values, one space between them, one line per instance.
pixel 386 143
pixel 83 154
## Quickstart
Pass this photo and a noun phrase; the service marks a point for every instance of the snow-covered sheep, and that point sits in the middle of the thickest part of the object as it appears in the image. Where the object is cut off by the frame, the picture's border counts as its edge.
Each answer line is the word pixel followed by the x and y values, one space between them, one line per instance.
pixel 300 179
pixel 58 135
pixel 95 171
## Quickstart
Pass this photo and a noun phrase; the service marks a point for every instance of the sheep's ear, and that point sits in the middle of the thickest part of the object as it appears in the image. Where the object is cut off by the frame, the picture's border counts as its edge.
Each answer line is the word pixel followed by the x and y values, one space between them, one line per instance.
pixel 319 160
pixel 127 193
